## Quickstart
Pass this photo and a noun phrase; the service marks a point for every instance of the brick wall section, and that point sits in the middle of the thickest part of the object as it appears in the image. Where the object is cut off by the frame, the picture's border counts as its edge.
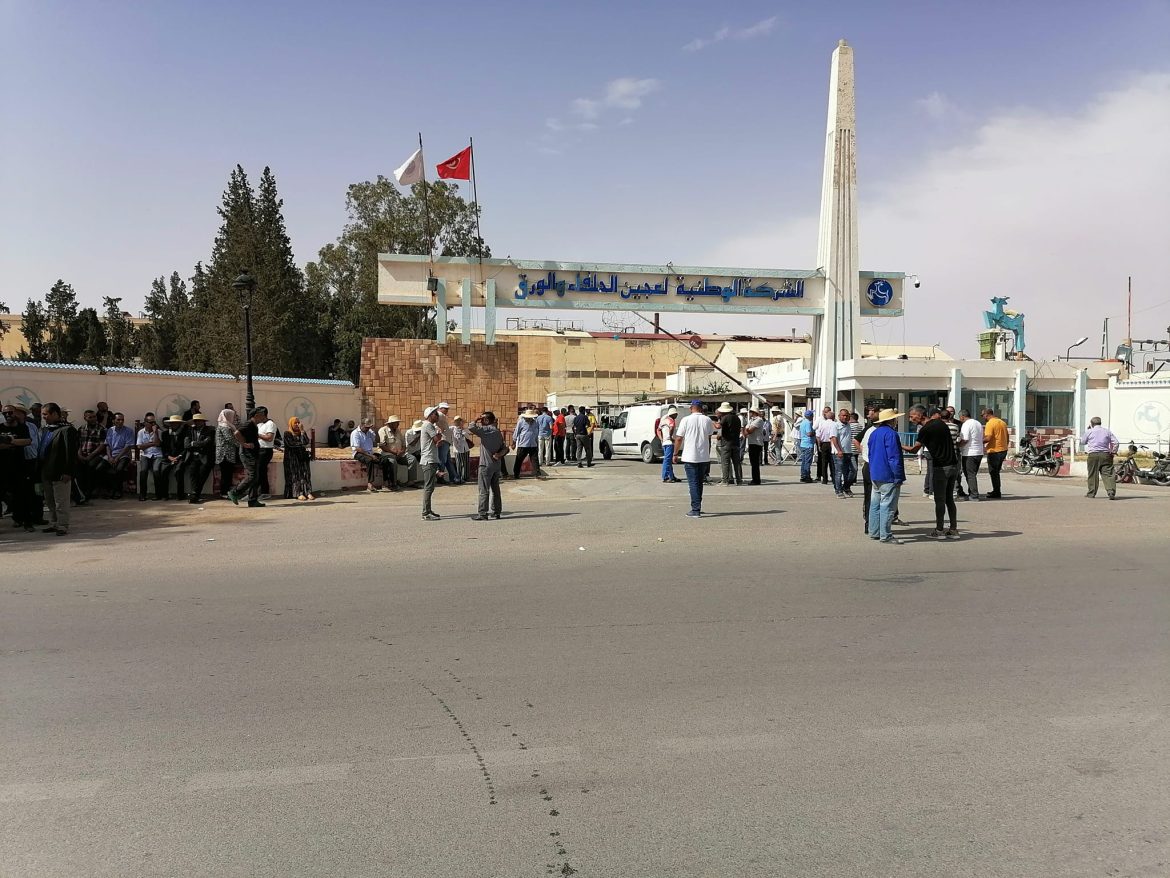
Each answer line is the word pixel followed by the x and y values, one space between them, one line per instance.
pixel 404 376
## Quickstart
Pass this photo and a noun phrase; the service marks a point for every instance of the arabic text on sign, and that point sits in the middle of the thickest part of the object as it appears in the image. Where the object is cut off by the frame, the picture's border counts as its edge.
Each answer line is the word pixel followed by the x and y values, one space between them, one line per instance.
pixel 592 283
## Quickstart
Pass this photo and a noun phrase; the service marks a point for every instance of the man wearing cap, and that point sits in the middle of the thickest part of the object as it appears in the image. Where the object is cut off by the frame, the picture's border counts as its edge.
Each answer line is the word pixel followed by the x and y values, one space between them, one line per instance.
pixel 887 472
pixel 392 444
pixel 666 428
pixel 492 450
pixel 431 439
pixel 446 463
pixel 199 450
pixel 692 442
pixel 361 443
pixel 754 432
pixel 247 436
pixel 460 449
pixel 172 438
pixel 730 430
pixel 526 442
pixel 806 443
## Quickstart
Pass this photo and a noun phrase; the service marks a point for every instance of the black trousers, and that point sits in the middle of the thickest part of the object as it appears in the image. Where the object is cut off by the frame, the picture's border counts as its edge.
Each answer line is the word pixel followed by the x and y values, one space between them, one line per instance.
pixel 971 473
pixel 585 449
pixel 995 461
pixel 251 482
pixel 91 475
pixel 559 449
pixel 118 473
pixel 198 469
pixel 945 480
pixel 867 493
pixel 522 452
pixel 384 463
pixel 824 462
pixel 23 493
pixel 227 471
pixel 264 457
pixel 755 455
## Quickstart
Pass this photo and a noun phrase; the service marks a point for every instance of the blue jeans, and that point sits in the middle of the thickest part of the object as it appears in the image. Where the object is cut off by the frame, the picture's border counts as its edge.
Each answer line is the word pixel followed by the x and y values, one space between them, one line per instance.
pixel 668 461
pixel 447 463
pixel 881 509
pixel 806 456
pixel 843 473
pixel 695 483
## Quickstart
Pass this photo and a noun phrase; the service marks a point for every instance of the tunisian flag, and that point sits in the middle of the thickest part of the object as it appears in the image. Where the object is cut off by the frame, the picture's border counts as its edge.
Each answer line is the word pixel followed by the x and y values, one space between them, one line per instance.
pixel 458 167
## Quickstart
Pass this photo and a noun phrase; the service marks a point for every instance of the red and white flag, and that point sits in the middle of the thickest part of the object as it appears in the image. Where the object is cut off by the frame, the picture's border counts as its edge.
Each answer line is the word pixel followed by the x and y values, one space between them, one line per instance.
pixel 458 167
pixel 411 170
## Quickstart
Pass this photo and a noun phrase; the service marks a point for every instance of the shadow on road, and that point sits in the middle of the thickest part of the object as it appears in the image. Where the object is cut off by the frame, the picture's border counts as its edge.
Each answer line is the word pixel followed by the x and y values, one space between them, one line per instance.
pixel 744 512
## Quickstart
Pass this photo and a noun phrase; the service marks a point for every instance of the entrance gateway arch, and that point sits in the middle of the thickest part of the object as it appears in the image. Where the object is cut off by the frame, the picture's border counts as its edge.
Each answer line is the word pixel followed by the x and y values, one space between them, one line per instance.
pixel 836 294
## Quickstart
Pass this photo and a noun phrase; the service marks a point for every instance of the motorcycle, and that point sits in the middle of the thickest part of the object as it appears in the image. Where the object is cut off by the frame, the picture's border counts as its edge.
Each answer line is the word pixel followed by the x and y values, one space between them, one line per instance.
pixel 1048 459
pixel 1129 472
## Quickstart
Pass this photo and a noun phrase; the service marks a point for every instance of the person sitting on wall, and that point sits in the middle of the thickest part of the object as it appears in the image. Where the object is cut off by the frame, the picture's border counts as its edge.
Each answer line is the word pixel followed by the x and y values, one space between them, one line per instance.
pixel 172 438
pixel 92 469
pixel 361 442
pixel 334 433
pixel 192 410
pixel 199 454
pixel 392 443
pixel 119 454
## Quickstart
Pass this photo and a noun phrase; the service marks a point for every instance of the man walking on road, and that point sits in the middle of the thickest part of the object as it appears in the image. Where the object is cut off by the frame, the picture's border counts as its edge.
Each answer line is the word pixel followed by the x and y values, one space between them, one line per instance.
pixel 692 440
pixel 1100 444
pixel 995 444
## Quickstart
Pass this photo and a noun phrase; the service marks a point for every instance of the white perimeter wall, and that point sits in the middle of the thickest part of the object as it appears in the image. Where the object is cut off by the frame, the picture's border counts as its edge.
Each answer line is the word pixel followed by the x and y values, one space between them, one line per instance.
pixel 134 394
pixel 1136 411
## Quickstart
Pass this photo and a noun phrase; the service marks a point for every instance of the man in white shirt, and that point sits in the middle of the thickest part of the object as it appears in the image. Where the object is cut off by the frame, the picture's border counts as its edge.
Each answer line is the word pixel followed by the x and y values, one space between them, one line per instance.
pixel 777 438
pixel 971 449
pixel 826 429
pixel 692 439
pixel 267 444
pixel 666 428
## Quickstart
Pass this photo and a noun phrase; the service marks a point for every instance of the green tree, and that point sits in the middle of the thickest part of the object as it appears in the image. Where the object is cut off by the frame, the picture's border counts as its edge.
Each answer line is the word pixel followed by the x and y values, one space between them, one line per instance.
pixel 61 315
pixel 34 326
pixel 88 336
pixel 3 324
pixel 384 220
pixel 167 308
pixel 119 333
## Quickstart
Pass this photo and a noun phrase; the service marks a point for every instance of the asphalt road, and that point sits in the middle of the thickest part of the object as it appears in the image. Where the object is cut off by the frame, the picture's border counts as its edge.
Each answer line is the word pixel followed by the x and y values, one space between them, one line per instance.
pixel 595 685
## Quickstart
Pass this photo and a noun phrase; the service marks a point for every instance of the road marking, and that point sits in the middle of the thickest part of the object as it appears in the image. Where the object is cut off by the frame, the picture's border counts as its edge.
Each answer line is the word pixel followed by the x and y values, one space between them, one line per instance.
pixel 509 758
pixel 43 792
pixel 271 777
pixel 1104 721
pixel 718 743
pixel 930 731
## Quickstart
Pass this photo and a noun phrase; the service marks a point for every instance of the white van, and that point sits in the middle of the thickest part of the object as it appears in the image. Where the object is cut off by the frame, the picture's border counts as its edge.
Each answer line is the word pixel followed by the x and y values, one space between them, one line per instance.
pixel 632 431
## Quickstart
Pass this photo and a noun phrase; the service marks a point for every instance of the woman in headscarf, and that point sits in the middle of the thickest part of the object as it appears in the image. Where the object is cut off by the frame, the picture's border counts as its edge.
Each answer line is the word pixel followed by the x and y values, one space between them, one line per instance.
pixel 227 452
pixel 298 479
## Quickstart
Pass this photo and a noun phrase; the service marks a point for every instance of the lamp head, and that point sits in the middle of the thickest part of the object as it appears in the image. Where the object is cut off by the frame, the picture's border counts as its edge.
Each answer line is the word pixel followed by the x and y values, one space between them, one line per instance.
pixel 1080 341
pixel 244 283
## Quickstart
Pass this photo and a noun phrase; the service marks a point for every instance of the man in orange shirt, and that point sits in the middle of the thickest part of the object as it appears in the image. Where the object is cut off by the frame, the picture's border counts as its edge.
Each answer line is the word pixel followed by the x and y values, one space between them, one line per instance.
pixel 995 445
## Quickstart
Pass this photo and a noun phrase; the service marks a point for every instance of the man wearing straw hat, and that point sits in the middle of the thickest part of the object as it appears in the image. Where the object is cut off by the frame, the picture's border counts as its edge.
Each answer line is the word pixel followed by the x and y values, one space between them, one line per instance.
pixel 392 443
pixel 730 428
pixel 887 472
pixel 526 442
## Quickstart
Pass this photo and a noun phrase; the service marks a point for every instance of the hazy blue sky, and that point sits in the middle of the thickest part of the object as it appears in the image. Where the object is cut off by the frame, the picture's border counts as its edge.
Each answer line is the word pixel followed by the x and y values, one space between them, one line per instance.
pixel 1005 147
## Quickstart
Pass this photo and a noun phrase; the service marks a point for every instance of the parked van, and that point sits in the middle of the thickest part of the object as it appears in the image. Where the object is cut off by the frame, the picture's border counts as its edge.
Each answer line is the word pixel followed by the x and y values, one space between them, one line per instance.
pixel 632 431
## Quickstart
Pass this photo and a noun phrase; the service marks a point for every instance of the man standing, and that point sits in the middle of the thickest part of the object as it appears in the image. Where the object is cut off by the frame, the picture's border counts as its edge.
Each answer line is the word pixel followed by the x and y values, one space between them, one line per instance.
pixel 119 450
pixel 559 429
pixel 887 473
pixel 776 449
pixel 935 437
pixel 692 440
pixel 19 468
pixel 431 438
pixel 526 442
pixel 754 432
pixel 842 444
pixel 666 428
pixel 58 457
pixel 826 429
pixel 806 444
pixel 1100 444
pixel 150 457
pixel 583 438
pixel 492 450
pixel 247 436
pixel 995 443
pixel 199 448
pixel 971 451
pixel 730 430
pixel 192 410
pixel 571 433
pixel 446 464
pixel 544 435
pixel 267 443
pixel 361 443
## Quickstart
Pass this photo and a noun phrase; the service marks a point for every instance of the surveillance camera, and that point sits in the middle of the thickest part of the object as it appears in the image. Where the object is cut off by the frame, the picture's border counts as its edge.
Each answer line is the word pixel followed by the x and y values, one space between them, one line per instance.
pixel 917 282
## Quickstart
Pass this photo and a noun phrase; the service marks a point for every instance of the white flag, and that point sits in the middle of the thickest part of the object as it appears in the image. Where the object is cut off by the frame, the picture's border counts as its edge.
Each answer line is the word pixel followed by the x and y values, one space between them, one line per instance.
pixel 411 170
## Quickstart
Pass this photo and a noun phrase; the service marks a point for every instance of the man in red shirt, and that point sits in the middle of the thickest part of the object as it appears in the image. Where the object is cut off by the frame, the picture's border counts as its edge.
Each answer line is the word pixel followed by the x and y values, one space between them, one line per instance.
pixel 559 429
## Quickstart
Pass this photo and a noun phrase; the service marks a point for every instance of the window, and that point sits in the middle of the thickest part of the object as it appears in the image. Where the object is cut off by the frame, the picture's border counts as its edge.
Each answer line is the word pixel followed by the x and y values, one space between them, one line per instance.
pixel 927 398
pixel 619 422
pixel 1003 401
pixel 1049 410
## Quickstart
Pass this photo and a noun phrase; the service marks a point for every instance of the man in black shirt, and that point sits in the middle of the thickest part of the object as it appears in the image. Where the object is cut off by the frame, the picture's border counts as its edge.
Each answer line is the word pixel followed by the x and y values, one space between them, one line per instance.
pixel 248 437
pixel 583 437
pixel 730 428
pixel 935 437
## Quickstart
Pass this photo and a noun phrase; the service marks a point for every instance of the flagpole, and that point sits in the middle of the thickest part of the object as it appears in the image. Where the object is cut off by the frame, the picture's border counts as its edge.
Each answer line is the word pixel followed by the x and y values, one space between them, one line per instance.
pixel 475 203
pixel 426 207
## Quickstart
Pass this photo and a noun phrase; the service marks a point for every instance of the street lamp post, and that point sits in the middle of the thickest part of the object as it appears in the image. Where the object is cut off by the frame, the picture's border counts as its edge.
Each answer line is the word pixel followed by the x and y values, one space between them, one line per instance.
pixel 1075 344
pixel 244 284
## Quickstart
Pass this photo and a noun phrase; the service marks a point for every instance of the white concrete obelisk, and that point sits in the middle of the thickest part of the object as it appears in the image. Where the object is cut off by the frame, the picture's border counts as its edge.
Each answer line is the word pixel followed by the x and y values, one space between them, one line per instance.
pixel 834 334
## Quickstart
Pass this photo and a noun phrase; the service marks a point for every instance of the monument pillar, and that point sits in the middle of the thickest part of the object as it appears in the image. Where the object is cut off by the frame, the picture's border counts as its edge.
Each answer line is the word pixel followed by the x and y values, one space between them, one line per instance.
pixel 835 333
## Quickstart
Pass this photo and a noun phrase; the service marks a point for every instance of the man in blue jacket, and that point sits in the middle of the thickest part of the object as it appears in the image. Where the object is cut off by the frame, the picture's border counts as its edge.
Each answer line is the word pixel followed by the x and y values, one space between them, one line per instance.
pixel 887 472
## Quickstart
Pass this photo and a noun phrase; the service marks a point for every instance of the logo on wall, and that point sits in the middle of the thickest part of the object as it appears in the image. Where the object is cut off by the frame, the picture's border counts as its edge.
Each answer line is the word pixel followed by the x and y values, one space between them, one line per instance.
pixel 172 404
pixel 880 293
pixel 1152 418
pixel 23 395
pixel 301 407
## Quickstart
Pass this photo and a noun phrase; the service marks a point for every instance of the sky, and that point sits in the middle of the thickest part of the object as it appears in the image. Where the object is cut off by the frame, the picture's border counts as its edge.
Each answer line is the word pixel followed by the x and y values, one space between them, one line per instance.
pixel 1004 148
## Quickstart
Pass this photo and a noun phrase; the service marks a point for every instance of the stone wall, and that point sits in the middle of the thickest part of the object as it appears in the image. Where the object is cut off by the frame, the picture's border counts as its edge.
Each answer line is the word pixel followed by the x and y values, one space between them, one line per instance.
pixel 404 376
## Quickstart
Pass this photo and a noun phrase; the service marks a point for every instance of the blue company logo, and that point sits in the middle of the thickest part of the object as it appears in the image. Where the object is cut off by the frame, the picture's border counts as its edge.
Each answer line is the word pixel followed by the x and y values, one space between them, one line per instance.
pixel 171 404
pixel 880 293
pixel 302 407
pixel 23 395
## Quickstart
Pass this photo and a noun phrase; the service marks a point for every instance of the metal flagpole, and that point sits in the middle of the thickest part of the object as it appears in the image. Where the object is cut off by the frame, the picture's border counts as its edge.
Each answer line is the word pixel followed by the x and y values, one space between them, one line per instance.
pixel 426 206
pixel 475 203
